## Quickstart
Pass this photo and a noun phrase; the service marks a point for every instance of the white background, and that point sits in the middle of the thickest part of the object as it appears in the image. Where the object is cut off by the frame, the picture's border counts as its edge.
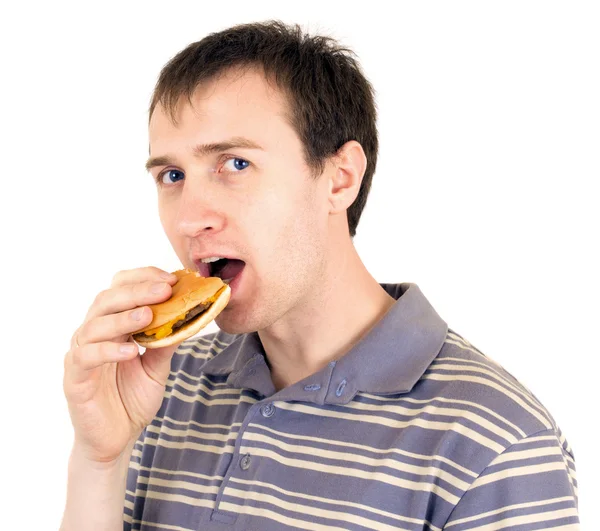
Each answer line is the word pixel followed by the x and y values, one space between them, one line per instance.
pixel 485 195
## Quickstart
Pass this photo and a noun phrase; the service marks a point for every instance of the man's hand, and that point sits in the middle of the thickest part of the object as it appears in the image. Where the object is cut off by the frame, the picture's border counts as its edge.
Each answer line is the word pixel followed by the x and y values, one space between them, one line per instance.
pixel 112 391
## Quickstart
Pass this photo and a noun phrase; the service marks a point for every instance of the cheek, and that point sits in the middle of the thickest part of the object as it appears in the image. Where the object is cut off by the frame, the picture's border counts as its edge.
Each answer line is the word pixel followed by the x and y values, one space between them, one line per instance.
pixel 301 230
pixel 166 216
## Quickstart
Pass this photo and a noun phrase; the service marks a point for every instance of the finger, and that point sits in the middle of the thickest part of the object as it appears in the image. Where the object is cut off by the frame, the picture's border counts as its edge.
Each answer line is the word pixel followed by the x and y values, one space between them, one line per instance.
pixel 157 362
pixel 142 274
pixel 116 327
pixel 93 355
pixel 75 338
pixel 127 297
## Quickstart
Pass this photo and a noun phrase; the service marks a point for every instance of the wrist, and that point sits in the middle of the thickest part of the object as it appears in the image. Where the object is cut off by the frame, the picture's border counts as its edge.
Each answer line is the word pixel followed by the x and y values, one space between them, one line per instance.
pixel 82 456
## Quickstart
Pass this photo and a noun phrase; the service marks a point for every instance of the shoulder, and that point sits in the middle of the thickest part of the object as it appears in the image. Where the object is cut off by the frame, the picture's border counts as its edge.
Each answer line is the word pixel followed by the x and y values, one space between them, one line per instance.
pixel 461 372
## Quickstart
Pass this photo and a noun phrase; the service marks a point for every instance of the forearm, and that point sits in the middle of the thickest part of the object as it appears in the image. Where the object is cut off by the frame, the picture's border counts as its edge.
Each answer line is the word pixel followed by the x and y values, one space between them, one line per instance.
pixel 95 493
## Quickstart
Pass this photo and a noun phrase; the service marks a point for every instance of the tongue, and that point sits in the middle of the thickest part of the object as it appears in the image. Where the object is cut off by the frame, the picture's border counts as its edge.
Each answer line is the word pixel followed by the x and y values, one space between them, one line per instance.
pixel 231 269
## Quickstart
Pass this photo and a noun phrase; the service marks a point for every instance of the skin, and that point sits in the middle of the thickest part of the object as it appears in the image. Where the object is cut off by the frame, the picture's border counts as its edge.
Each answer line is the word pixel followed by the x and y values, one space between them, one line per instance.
pixel 304 288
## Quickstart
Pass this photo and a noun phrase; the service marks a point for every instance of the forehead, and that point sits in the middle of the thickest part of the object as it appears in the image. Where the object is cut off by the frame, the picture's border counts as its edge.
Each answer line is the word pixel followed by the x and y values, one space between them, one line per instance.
pixel 236 103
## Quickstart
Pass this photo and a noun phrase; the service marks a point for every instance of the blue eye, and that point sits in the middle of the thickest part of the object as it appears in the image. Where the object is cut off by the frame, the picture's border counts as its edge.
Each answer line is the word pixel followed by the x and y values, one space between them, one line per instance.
pixel 239 165
pixel 169 174
pixel 236 160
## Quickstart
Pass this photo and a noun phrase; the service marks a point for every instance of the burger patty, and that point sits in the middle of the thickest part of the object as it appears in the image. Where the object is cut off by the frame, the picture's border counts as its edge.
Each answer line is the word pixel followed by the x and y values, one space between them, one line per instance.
pixel 191 314
pixel 194 312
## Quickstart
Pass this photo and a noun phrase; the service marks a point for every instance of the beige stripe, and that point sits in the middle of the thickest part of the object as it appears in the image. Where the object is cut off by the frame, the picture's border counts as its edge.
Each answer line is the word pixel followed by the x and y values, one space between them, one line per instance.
pixel 367 448
pixel 147 523
pixel 265 513
pixel 196 475
pixel 127 518
pixel 202 387
pixel 498 370
pixel 527 519
pixel 539 438
pixel 493 385
pixel 313 511
pixel 565 444
pixel 178 484
pixel 449 401
pixel 190 445
pixel 204 355
pixel 206 346
pixel 384 421
pixel 437 410
pixel 499 378
pixel 517 471
pixel 493 362
pixel 190 431
pixel 186 423
pixel 342 503
pixel 345 471
pixel 180 498
pixel 197 378
pixel 209 401
pixel 128 504
pixel 353 459
pixel 415 469
pixel 200 342
pixel 570 471
pixel 527 454
pixel 507 509
pixel 465 345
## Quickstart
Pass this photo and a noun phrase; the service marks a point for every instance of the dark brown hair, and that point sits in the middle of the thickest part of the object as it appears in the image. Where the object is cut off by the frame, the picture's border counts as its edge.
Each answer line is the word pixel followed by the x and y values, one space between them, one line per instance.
pixel 330 100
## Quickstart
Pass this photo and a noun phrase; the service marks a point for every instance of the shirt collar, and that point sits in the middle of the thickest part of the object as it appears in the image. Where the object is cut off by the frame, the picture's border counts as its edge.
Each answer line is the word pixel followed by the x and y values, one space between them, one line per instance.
pixel 389 359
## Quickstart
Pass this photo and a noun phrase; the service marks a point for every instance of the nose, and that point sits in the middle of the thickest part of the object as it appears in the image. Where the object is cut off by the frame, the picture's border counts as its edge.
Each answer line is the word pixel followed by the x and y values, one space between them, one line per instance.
pixel 198 213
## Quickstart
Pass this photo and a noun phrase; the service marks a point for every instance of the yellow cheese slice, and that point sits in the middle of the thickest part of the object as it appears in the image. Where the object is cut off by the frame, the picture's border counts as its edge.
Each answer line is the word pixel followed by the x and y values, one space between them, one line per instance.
pixel 167 328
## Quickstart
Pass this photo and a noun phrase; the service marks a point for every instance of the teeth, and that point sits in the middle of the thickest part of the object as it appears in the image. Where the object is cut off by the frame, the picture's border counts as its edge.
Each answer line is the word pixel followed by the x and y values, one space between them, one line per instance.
pixel 211 259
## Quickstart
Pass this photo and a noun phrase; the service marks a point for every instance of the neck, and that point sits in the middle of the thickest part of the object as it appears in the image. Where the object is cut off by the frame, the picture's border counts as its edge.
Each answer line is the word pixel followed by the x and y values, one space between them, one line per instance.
pixel 346 305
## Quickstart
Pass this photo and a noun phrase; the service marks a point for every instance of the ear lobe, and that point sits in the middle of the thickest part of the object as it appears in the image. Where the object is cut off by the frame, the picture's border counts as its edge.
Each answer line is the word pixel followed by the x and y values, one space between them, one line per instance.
pixel 349 165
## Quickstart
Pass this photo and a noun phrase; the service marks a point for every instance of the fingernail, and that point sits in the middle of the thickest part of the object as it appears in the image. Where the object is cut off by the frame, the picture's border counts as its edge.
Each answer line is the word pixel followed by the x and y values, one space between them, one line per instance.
pixel 158 287
pixel 127 349
pixel 137 315
pixel 168 276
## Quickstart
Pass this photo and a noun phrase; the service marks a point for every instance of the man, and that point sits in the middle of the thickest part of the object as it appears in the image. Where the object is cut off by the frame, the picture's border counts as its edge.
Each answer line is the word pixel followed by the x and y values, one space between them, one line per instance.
pixel 326 400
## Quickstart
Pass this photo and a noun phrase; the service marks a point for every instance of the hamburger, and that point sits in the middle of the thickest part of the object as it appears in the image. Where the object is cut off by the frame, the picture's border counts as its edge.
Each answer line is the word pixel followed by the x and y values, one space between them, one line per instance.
pixel 194 303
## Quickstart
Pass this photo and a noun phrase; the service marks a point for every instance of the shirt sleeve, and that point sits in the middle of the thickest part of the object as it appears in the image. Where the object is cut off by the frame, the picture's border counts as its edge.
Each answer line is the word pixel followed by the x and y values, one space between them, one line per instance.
pixel 132 481
pixel 531 485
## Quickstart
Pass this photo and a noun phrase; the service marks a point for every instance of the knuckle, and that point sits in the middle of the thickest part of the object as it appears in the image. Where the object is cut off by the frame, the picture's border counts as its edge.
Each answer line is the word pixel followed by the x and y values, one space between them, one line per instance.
pixel 77 356
pixel 101 297
pixel 106 350
pixel 141 291
pixel 116 279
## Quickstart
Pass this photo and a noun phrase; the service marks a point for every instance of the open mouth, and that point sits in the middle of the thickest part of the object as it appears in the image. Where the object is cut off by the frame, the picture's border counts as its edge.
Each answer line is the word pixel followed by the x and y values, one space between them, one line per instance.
pixel 224 268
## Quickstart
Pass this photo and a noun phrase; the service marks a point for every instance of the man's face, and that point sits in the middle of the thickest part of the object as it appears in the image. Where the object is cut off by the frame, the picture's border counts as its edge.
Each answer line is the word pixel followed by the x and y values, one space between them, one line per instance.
pixel 260 206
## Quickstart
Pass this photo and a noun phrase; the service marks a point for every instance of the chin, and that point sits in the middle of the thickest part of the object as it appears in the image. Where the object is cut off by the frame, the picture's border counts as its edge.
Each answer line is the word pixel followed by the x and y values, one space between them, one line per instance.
pixel 230 325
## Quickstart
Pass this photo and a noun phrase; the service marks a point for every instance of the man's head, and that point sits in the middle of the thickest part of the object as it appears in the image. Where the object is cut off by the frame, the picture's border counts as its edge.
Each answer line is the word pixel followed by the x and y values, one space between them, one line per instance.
pixel 283 208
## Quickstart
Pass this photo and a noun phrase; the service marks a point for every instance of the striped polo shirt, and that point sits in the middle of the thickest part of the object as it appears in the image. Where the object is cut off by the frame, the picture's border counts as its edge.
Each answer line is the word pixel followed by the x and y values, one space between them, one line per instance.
pixel 412 429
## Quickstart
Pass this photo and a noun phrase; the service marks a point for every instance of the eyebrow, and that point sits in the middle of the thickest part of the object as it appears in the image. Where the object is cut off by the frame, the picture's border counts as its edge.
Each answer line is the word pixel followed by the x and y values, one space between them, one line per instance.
pixel 202 150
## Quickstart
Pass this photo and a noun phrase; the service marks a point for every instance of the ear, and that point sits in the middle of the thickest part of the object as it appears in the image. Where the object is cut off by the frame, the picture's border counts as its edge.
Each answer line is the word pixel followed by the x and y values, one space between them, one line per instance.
pixel 349 165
